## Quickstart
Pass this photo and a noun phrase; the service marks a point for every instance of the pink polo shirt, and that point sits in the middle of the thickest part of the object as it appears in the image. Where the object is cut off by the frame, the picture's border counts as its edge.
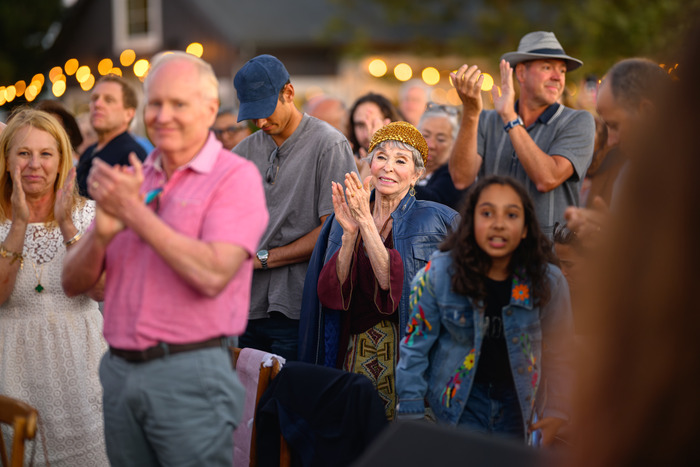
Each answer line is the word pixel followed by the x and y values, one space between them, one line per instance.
pixel 216 197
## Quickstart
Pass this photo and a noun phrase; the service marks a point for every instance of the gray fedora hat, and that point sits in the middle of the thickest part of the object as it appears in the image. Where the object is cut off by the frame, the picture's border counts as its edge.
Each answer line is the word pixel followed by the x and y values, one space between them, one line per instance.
pixel 540 45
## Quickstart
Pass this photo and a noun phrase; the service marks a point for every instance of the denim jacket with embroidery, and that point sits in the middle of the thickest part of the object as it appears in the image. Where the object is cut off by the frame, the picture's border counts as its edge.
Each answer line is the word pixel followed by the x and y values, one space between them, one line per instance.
pixel 440 351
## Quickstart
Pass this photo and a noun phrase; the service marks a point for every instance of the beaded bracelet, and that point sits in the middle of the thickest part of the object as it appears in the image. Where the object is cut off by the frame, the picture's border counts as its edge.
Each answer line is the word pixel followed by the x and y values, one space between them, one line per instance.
pixel 15 256
pixel 74 239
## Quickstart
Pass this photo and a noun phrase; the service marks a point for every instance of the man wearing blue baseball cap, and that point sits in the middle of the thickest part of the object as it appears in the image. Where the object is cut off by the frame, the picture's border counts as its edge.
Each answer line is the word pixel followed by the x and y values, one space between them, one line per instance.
pixel 298 157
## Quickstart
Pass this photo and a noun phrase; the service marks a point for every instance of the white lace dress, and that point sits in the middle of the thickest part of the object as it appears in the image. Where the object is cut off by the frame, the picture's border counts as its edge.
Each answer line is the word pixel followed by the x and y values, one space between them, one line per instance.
pixel 50 349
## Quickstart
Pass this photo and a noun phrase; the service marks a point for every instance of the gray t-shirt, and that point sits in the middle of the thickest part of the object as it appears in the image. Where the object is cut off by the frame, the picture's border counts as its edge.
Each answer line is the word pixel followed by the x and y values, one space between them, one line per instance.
pixel 558 131
pixel 309 160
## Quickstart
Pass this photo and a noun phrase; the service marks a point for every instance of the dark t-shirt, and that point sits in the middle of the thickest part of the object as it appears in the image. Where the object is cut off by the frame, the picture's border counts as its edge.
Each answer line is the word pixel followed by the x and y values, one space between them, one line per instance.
pixel 115 152
pixel 494 365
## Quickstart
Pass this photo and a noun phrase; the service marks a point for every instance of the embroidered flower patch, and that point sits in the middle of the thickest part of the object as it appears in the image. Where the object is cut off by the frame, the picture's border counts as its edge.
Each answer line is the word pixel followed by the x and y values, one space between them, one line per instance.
pixel 456 380
pixel 521 293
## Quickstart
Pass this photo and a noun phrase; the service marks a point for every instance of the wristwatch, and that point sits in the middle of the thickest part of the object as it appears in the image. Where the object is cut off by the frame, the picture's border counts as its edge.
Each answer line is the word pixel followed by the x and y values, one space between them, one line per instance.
pixel 262 256
pixel 512 124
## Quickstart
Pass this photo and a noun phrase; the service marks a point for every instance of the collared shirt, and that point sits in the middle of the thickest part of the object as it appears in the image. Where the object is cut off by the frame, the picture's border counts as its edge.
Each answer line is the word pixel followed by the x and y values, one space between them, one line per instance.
pixel 560 131
pixel 216 197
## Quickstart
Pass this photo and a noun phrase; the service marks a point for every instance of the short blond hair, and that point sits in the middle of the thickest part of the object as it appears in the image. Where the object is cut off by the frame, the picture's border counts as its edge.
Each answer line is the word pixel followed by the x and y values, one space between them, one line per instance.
pixel 41 121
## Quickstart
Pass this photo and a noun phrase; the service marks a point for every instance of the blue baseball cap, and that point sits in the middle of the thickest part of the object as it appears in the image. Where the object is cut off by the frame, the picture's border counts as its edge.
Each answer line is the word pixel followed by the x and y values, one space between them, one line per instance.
pixel 258 85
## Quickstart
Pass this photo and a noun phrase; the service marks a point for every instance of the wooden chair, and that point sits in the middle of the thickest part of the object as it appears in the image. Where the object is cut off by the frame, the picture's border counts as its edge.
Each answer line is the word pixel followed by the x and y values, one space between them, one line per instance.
pixel 265 376
pixel 23 420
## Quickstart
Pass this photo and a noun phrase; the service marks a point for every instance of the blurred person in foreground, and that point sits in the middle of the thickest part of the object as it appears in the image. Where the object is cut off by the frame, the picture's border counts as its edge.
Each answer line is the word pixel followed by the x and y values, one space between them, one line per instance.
pixel 639 402
pixel 628 99
pixel 50 343
pixel 177 276
pixel 380 236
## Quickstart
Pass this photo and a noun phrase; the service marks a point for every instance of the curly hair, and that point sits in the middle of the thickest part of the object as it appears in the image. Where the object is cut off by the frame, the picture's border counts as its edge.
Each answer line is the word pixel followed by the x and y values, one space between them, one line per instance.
pixel 471 264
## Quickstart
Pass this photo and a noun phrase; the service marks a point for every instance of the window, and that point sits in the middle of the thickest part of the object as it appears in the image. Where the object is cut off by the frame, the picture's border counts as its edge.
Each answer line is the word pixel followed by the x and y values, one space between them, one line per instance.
pixel 137 25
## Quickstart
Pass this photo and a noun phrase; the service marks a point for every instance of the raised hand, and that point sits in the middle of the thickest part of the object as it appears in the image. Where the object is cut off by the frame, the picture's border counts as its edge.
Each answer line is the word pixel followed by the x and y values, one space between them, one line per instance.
pixel 504 96
pixel 467 81
pixel 20 208
pixel 342 211
pixel 114 187
pixel 358 197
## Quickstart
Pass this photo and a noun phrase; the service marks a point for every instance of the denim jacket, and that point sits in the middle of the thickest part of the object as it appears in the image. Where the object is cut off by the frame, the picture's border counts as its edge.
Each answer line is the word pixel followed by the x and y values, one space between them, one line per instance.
pixel 418 228
pixel 441 349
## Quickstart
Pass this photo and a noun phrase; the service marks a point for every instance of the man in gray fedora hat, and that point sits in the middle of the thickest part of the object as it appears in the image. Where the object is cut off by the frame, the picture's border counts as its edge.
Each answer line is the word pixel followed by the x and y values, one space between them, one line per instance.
pixel 540 142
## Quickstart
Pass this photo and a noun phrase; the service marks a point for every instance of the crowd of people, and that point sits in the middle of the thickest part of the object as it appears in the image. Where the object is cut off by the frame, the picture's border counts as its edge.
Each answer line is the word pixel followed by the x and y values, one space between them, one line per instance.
pixel 475 265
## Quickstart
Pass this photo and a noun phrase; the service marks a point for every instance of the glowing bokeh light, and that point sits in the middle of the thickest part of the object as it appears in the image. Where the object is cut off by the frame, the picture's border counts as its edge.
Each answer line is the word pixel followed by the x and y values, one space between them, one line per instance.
pixel 127 57
pixel 453 97
pixel 58 88
pixel 82 74
pixel 115 71
pixel 71 66
pixel 38 78
pixel 487 85
pixel 88 83
pixel 141 67
pixel 20 87
pixel 31 92
pixel 10 93
pixel 377 68
pixel 403 72
pixel 2 95
pixel 438 95
pixel 54 73
pixel 431 76
pixel 105 66
pixel 195 49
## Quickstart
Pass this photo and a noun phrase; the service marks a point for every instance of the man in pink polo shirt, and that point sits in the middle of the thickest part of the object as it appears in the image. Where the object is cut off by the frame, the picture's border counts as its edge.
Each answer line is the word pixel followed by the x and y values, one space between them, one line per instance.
pixel 174 239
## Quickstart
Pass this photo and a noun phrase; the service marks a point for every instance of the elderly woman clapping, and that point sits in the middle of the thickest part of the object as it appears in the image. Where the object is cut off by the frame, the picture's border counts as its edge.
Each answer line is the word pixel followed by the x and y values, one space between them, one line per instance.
pixel 372 247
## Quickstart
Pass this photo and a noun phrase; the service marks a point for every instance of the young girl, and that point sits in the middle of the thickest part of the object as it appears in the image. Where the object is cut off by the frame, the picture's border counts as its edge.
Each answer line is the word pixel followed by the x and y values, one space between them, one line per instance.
pixel 486 345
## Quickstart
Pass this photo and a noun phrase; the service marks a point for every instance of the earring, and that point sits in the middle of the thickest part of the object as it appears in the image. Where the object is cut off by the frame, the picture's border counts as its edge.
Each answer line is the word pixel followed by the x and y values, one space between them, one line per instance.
pixel 412 191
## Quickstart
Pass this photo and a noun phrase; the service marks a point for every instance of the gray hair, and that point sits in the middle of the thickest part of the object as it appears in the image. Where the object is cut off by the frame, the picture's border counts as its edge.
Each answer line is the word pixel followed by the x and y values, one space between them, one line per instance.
pixel 417 158
pixel 208 83
pixel 434 112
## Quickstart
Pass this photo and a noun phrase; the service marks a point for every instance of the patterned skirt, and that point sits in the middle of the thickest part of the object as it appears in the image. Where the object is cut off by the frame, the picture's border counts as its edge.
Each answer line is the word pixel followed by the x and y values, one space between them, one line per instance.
pixel 373 354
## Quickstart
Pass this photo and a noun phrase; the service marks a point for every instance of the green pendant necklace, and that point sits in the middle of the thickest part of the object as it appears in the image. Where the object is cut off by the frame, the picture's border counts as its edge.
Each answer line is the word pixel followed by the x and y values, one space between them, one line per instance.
pixel 39 288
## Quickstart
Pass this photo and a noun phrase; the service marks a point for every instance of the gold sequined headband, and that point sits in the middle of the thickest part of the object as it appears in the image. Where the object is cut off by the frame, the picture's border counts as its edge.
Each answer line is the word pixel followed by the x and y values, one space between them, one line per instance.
pixel 404 132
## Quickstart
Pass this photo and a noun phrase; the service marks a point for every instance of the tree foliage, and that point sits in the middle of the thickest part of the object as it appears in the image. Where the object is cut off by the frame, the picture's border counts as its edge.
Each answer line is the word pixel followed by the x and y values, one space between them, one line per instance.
pixel 23 27
pixel 599 31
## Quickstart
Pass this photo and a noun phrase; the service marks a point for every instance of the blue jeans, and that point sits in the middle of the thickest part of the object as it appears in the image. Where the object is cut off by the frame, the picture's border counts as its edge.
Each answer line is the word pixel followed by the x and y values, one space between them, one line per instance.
pixel 494 411
pixel 179 410
pixel 277 334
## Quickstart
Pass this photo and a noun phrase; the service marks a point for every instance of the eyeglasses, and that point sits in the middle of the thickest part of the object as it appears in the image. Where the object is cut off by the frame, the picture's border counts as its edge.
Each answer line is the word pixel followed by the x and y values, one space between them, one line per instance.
pixel 448 109
pixel 153 195
pixel 271 173
pixel 229 129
